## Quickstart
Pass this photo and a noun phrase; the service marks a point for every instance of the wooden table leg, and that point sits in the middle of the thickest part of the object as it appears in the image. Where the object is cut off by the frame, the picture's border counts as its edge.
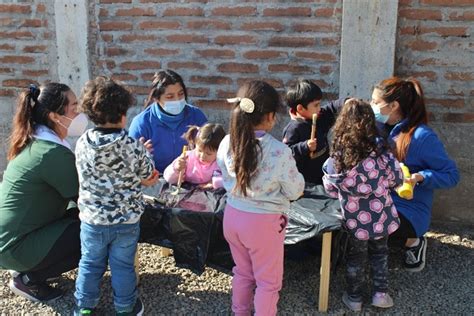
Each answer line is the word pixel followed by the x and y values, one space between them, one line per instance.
pixel 325 272
pixel 165 252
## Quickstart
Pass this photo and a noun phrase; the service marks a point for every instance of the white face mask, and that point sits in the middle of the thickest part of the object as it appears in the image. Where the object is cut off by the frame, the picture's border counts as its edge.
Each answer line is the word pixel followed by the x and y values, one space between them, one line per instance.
pixel 78 125
pixel 174 107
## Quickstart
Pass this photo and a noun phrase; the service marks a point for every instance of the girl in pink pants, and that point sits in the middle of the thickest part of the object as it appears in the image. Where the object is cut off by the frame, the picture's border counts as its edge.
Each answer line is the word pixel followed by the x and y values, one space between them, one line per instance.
pixel 261 177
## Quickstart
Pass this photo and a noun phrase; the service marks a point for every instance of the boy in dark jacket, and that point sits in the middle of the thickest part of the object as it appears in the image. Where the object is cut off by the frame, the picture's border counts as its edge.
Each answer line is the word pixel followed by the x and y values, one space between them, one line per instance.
pixel 304 100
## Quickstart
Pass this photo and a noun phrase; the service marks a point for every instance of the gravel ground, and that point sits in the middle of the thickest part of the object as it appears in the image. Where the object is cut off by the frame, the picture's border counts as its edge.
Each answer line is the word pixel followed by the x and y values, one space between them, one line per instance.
pixel 444 287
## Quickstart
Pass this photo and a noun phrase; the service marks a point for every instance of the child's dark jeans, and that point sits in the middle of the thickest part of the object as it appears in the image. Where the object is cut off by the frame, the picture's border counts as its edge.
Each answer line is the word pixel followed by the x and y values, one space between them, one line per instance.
pixel 377 251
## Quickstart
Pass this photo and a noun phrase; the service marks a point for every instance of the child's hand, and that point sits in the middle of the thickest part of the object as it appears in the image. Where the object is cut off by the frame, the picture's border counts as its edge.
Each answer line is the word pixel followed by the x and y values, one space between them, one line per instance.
pixel 151 180
pixel 148 145
pixel 180 163
pixel 206 186
pixel 312 143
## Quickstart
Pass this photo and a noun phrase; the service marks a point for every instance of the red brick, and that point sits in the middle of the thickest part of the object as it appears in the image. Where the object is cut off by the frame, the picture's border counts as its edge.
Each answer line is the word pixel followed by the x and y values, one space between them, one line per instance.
pixel 325 69
pixel 276 83
pixel 159 24
pixel 296 69
pixel 313 27
pixel 148 76
pixel 6 47
pixel 161 51
pixel 35 49
pixel 324 12
pixel 107 37
pixel 214 104
pixel 116 51
pixel 330 41
pixel 459 117
pixel 447 103
pixel 281 41
pixel 115 1
pixel 198 92
pixel 183 12
pixel 225 94
pixel 211 79
pixel 15 8
pixel 316 56
pixel 321 83
pixel 237 67
pixel 127 38
pixel 115 26
pixel 146 64
pixel 17 34
pixel 140 90
pixel 462 16
pixel 218 53
pixel 6 70
pixel 421 45
pixel 7 21
pixel 453 91
pixel 41 8
pixel 35 73
pixel 135 12
pixel 47 35
pixel 404 3
pixel 430 75
pixel 292 11
pixel 449 3
pixel 109 64
pixel 187 38
pixel 7 93
pixel 18 83
pixel 445 31
pixel 103 12
pixel 186 65
pixel 156 1
pixel 16 60
pixel 124 77
pixel 420 14
pixel 208 24
pixel 235 40
pixel 235 11
pixel 262 54
pixel 459 76
pixel 34 23
pixel 263 26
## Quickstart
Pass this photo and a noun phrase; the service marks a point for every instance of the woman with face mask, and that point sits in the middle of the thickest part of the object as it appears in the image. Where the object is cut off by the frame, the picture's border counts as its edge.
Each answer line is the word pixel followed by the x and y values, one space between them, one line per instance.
pixel 399 106
pixel 166 118
pixel 39 228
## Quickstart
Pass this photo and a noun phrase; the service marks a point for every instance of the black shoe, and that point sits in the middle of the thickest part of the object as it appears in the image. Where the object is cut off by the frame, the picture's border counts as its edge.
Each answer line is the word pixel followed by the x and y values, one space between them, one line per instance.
pixel 137 309
pixel 416 256
pixel 37 292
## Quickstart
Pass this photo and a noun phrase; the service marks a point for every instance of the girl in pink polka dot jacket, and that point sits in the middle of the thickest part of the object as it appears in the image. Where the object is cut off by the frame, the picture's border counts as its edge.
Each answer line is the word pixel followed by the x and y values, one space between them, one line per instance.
pixel 361 172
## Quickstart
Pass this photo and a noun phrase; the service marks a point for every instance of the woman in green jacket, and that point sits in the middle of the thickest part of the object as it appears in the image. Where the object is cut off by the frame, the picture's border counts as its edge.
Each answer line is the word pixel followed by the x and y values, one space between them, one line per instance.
pixel 39 233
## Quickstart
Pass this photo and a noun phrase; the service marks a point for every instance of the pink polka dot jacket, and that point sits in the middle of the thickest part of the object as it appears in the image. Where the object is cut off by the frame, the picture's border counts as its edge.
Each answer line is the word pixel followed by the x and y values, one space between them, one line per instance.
pixel 364 192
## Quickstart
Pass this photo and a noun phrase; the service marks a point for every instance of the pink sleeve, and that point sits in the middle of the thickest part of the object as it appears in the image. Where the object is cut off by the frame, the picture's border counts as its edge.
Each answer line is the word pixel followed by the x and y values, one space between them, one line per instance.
pixel 170 174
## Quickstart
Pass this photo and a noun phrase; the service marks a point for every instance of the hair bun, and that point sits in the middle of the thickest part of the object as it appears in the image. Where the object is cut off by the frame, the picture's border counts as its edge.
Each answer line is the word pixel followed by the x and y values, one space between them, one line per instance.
pixel 34 92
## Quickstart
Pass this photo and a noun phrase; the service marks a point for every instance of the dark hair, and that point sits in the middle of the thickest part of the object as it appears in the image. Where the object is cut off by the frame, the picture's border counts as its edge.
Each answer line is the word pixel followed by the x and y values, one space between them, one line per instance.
pixel 209 136
pixel 355 135
pixel 33 107
pixel 303 92
pixel 105 101
pixel 409 95
pixel 161 80
pixel 245 147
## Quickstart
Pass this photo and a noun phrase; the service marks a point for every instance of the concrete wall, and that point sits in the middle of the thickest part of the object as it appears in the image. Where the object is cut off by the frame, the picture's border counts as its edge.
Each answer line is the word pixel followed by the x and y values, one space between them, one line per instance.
pixel 216 45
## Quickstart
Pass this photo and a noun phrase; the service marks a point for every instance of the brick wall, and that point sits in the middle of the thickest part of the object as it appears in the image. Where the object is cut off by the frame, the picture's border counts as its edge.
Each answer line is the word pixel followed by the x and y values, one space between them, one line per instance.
pixel 27 39
pixel 435 45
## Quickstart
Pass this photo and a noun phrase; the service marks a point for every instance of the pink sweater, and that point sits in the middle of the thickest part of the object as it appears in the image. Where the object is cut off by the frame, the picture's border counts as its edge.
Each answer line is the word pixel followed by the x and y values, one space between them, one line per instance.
pixel 196 172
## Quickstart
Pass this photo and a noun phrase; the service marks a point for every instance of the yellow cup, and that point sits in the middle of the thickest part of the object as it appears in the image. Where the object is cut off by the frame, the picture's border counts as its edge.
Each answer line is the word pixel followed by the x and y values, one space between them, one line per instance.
pixel 405 191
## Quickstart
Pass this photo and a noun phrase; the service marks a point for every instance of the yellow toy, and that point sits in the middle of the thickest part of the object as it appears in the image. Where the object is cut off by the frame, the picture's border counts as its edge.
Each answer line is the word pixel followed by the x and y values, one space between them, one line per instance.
pixel 405 191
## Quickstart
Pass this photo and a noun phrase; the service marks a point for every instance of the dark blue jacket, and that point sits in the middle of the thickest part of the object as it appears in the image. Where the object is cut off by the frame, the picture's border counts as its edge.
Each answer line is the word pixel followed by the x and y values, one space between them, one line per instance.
pixel 165 131
pixel 297 133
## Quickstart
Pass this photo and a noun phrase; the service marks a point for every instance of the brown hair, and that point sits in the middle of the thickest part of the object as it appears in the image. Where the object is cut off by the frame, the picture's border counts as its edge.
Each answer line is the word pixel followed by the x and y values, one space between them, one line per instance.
pixel 33 107
pixel 355 135
pixel 409 94
pixel 209 136
pixel 161 80
pixel 245 147
pixel 105 101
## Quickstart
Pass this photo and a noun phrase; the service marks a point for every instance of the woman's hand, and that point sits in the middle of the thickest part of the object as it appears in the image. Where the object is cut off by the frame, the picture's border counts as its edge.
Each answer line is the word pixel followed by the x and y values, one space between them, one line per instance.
pixel 148 144
pixel 414 179
pixel 151 180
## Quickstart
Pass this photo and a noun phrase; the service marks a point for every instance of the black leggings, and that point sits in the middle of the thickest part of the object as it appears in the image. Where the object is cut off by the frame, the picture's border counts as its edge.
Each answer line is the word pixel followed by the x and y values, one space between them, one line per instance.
pixel 63 256
pixel 406 230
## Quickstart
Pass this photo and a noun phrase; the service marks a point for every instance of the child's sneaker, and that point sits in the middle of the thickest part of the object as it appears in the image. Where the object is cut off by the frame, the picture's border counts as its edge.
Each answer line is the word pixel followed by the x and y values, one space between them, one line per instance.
pixel 84 311
pixel 37 292
pixel 137 309
pixel 382 300
pixel 352 305
pixel 415 256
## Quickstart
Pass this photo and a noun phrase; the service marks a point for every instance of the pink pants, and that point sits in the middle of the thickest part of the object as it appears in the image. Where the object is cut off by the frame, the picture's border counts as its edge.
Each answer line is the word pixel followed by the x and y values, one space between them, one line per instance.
pixel 256 243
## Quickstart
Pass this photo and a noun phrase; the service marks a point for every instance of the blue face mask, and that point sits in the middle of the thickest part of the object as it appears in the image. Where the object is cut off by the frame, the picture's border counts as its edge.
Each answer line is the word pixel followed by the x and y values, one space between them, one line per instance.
pixel 174 107
pixel 379 117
